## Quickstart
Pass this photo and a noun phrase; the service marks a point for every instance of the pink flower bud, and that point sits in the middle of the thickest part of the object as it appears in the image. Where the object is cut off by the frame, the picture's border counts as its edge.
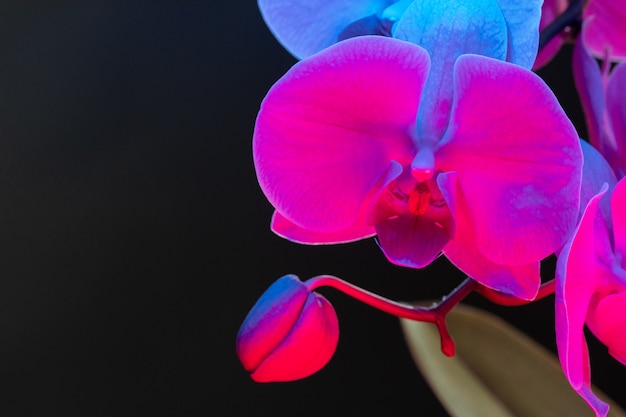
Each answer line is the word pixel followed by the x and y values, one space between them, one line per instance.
pixel 289 334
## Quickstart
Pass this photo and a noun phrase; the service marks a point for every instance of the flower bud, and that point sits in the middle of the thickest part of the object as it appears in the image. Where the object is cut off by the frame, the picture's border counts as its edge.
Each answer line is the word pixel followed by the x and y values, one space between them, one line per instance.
pixel 289 334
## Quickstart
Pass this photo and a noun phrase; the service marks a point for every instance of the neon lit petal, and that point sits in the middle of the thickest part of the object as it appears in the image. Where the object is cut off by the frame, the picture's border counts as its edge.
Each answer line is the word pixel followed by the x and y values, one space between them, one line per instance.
pixel 503 155
pixel 413 241
pixel 618 209
pixel 522 21
pixel 578 274
pixel 447 29
pixel 286 229
pixel 588 80
pixel 307 348
pixel 596 173
pixel 328 130
pixel 608 321
pixel 307 27
pixel 605 28
pixel 521 281
pixel 616 109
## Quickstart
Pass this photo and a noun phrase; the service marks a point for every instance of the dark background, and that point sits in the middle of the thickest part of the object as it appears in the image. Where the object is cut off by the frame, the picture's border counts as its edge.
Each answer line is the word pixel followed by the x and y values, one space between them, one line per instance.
pixel 134 237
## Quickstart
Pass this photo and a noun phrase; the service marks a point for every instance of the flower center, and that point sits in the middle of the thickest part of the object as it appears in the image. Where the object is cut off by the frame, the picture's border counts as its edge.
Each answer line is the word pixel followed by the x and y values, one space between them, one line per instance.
pixel 419 199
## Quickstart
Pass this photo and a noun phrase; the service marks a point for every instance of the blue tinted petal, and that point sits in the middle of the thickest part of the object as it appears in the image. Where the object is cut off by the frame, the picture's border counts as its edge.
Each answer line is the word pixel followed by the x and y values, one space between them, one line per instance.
pixel 447 29
pixel 305 27
pixel 522 21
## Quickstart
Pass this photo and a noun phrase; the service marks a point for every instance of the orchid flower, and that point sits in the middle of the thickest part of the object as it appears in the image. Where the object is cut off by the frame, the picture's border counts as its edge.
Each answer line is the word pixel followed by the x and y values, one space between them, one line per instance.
pixel 603 29
pixel 601 93
pixel 354 142
pixel 591 290
pixel 305 27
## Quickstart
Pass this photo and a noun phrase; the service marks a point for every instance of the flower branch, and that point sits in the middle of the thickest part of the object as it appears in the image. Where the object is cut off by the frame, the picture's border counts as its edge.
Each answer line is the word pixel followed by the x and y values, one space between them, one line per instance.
pixel 571 18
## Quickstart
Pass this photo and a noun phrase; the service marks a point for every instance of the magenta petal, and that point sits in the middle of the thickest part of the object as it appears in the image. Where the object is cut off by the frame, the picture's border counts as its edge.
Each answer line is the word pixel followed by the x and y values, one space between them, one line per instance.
pixel 579 272
pixel 618 210
pixel 616 109
pixel 521 280
pixel 605 28
pixel 307 348
pixel 550 9
pixel 608 321
pixel 413 241
pixel 286 229
pixel 328 130
pixel 588 80
pixel 507 136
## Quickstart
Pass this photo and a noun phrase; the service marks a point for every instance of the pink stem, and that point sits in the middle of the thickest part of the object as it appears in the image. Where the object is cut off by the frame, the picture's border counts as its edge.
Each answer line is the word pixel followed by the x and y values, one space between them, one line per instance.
pixel 434 314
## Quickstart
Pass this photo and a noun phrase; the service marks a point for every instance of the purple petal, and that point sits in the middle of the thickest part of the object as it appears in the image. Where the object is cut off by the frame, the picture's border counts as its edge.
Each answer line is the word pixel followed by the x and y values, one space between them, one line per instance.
pixel 413 241
pixel 522 22
pixel 604 28
pixel 507 135
pixel 596 173
pixel 447 29
pixel 328 130
pixel 616 109
pixel 520 280
pixel 305 27
pixel 588 80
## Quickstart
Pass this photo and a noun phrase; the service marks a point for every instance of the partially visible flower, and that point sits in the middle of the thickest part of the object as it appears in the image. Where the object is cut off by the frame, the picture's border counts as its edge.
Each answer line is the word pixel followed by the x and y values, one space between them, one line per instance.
pixel 591 289
pixel 550 10
pixel 305 27
pixel 603 29
pixel 352 142
pixel 602 97
pixel 289 334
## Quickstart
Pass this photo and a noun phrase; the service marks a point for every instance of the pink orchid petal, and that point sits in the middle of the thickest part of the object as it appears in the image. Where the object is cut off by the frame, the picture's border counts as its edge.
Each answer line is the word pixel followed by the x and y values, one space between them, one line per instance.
pixel 618 209
pixel 521 280
pixel 507 136
pixel 447 29
pixel 307 348
pixel 286 229
pixel 328 130
pixel 608 321
pixel 306 27
pixel 616 109
pixel 579 272
pixel 605 28
pixel 413 241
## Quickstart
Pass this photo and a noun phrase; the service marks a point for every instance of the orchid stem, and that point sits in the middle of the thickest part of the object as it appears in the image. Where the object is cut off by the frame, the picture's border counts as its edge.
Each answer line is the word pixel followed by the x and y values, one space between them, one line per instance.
pixel 498 297
pixel 571 17
pixel 434 314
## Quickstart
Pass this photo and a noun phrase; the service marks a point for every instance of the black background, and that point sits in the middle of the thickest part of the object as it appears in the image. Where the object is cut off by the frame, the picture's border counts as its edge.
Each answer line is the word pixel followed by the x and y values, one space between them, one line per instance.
pixel 134 237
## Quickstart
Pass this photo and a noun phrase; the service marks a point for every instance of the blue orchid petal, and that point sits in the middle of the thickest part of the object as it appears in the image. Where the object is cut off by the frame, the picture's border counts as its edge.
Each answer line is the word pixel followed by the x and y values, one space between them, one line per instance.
pixel 447 29
pixel 522 21
pixel 305 27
